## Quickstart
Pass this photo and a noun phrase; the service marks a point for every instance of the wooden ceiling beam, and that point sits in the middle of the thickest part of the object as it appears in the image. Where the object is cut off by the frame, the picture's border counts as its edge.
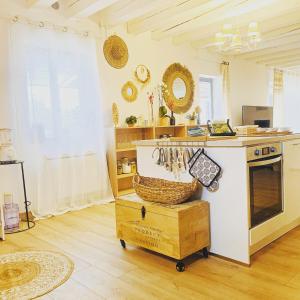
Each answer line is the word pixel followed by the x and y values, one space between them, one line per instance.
pixel 269 19
pixel 32 3
pixel 272 43
pixel 282 59
pixel 266 36
pixel 256 54
pixel 292 31
pixel 129 10
pixel 206 18
pixel 287 64
pixel 85 8
pixel 172 14
pixel 278 54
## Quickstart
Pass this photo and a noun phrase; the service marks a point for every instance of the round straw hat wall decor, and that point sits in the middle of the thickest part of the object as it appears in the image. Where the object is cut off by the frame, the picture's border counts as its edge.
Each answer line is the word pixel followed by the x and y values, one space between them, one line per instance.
pixel 115 51
pixel 27 275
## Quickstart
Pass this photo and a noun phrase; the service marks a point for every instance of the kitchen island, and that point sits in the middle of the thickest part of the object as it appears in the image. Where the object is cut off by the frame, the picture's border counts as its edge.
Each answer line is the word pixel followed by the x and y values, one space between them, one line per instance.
pixel 255 172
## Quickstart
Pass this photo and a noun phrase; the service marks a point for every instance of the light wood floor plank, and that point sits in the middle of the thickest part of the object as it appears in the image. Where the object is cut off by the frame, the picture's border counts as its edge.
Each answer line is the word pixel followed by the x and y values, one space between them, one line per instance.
pixel 103 270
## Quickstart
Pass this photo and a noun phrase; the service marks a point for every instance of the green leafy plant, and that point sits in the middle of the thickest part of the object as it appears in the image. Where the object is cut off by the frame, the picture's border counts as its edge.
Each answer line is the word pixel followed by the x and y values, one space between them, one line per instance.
pixel 162 111
pixel 191 116
pixel 131 120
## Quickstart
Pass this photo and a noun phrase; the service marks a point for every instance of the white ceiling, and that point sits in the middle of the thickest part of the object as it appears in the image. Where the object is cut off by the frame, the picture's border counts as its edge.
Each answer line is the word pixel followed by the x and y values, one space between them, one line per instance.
pixel 197 21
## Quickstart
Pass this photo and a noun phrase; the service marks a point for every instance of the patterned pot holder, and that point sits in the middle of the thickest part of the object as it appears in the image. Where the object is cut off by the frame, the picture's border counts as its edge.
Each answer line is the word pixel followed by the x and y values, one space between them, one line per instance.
pixel 205 170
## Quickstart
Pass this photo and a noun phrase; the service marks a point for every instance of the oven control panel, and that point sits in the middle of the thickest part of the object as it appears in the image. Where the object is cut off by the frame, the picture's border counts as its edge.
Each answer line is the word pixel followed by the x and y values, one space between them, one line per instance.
pixel 261 151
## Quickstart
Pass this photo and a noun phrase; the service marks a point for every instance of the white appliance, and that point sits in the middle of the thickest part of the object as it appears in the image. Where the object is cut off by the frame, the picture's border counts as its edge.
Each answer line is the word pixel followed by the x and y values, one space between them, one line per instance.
pixel 265 182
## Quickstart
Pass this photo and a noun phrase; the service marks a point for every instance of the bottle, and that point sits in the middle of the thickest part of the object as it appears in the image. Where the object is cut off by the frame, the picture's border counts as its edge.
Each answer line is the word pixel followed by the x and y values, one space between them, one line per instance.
pixel 133 167
pixel 172 119
pixel 11 213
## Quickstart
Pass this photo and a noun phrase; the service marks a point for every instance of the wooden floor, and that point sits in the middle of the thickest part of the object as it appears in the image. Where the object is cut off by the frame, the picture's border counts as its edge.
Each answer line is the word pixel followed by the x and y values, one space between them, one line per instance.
pixel 103 270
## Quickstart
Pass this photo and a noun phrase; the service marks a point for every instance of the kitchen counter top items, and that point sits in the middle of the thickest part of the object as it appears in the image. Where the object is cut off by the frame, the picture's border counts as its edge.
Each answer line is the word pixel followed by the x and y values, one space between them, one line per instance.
pixel 176 231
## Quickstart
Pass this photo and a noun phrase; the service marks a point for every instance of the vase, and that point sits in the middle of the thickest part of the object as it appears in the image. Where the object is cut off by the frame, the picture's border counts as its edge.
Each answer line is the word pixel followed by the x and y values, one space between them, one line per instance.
pixel 164 121
pixel 131 125
pixel 192 122
pixel 172 119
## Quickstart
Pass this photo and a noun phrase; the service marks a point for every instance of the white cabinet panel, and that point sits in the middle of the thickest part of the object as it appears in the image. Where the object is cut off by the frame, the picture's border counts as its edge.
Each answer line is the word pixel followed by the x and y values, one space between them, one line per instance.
pixel 291 169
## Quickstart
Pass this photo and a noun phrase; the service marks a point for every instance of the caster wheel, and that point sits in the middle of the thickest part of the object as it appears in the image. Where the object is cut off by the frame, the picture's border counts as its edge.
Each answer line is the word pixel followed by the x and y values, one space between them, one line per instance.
pixel 180 266
pixel 123 244
pixel 205 252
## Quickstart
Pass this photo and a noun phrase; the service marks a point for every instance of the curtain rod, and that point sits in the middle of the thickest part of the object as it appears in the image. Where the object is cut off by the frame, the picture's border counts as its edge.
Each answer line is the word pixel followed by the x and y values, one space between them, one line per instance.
pixel 50 25
pixel 226 63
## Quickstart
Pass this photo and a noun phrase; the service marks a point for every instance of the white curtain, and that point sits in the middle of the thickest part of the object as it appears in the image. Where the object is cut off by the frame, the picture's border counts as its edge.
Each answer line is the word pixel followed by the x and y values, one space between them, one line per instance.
pixel 291 100
pixel 58 121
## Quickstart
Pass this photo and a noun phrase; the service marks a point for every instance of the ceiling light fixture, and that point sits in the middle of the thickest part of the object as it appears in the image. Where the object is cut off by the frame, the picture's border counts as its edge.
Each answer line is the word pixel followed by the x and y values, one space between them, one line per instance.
pixel 230 39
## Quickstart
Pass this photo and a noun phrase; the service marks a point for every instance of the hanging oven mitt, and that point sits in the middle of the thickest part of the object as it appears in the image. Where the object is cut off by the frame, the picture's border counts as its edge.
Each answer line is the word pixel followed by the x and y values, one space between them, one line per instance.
pixel 205 170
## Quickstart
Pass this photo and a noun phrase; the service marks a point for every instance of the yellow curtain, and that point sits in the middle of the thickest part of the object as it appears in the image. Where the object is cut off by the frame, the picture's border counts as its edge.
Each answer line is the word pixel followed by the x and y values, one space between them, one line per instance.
pixel 224 68
pixel 277 80
pixel 278 108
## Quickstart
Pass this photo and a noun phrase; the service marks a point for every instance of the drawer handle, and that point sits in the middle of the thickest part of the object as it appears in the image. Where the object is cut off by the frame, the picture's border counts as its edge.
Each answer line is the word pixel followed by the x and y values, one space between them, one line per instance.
pixel 143 212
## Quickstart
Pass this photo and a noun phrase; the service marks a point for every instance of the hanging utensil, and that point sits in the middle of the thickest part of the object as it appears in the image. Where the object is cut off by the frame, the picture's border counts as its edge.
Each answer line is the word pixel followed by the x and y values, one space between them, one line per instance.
pixel 162 157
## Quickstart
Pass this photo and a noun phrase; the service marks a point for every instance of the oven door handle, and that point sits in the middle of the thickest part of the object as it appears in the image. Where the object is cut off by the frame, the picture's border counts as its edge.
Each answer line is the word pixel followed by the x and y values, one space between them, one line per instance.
pixel 264 162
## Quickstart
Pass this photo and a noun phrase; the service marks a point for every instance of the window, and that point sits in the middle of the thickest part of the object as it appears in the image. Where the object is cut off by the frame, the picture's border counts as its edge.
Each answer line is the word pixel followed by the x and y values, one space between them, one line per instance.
pixel 210 97
pixel 206 98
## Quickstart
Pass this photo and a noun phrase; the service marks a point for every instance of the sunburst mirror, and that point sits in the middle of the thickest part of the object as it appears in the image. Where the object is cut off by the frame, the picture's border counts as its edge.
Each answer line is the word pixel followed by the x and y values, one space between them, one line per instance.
pixel 178 88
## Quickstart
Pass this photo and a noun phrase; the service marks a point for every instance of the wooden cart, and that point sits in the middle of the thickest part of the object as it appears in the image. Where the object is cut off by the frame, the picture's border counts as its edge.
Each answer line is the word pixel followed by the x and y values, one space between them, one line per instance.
pixel 176 231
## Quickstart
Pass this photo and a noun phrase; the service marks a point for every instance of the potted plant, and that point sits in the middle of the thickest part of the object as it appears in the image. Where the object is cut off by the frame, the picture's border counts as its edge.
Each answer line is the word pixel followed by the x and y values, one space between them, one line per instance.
pixel 131 121
pixel 192 118
pixel 163 118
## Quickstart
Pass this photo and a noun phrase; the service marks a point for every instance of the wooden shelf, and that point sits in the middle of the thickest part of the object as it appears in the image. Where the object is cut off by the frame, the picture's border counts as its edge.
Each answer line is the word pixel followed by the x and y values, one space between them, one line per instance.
pixel 125 175
pixel 126 149
pixel 125 137
pixel 170 126
pixel 126 192
pixel 134 127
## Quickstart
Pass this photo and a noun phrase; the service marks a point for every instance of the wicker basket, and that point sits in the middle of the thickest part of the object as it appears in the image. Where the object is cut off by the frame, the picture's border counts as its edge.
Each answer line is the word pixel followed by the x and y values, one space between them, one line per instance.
pixel 163 191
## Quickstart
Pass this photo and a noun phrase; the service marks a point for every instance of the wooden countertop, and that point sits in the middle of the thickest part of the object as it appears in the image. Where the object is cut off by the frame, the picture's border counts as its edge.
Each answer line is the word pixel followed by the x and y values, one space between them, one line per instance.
pixel 226 142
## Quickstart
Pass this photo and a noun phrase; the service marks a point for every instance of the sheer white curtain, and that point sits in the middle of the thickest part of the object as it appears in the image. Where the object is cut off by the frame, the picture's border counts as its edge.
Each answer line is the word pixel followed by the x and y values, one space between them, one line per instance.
pixel 291 100
pixel 57 107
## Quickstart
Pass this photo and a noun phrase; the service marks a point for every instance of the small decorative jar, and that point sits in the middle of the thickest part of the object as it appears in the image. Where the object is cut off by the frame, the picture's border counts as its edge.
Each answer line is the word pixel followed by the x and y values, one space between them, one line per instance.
pixel 11 213
pixel 133 167
pixel 119 168
pixel 126 168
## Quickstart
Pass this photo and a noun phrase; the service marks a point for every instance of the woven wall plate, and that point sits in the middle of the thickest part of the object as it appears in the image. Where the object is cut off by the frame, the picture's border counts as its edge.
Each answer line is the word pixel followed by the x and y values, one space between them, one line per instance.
pixel 115 51
pixel 129 91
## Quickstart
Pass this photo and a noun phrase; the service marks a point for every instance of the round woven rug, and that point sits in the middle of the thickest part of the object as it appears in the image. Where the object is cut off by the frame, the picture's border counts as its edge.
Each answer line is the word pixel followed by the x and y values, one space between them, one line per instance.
pixel 27 275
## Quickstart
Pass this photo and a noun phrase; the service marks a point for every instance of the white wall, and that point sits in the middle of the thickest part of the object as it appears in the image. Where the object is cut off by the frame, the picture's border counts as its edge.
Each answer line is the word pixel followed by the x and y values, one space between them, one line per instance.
pixel 157 56
pixel 249 81
pixel 249 86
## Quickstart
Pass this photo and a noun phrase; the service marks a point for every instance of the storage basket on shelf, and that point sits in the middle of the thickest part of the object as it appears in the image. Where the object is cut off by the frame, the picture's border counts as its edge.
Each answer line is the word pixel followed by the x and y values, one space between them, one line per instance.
pixel 163 191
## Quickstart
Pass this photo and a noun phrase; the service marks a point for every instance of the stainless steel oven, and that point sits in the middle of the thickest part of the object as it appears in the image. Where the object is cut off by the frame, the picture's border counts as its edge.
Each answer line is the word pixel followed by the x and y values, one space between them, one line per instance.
pixel 265 182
